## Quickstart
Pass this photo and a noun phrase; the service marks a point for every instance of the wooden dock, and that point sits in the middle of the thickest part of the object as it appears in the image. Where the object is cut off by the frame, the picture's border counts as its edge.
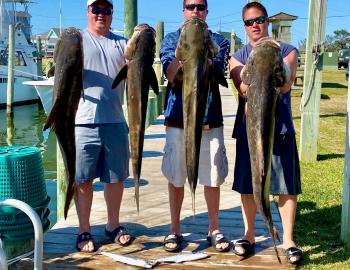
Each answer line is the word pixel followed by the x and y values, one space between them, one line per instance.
pixel 152 224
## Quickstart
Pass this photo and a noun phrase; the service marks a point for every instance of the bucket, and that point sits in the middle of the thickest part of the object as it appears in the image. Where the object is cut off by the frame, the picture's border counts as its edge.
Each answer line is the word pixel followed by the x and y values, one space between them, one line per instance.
pixel 22 178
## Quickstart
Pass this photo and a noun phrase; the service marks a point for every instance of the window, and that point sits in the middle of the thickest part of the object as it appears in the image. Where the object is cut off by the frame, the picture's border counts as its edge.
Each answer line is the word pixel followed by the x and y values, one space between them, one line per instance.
pixel 19 59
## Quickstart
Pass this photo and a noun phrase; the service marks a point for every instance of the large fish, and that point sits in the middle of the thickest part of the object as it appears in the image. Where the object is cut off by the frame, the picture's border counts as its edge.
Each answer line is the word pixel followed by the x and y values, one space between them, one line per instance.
pixel 195 49
pixel 68 87
pixel 263 73
pixel 140 76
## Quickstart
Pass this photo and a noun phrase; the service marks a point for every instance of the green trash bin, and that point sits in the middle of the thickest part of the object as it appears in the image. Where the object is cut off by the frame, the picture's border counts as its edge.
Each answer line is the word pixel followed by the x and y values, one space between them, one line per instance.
pixel 22 178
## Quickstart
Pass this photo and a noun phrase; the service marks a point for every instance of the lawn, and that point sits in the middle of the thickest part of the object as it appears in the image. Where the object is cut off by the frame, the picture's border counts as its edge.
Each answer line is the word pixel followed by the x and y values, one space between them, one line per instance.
pixel 318 221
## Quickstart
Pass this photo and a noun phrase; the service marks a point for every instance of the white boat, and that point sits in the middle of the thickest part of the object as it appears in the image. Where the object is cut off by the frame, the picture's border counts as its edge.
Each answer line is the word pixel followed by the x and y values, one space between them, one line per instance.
pixel 25 53
pixel 44 90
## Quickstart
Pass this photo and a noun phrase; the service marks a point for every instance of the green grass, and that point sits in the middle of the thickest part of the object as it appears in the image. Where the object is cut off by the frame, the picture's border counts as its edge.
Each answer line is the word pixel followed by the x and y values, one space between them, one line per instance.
pixel 318 221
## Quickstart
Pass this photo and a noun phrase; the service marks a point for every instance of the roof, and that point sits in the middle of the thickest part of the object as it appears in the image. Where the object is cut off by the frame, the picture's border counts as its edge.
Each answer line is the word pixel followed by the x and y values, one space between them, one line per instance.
pixel 283 17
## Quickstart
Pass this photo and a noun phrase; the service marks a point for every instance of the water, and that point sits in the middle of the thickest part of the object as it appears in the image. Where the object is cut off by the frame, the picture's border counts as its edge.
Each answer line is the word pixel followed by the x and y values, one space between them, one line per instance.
pixel 28 123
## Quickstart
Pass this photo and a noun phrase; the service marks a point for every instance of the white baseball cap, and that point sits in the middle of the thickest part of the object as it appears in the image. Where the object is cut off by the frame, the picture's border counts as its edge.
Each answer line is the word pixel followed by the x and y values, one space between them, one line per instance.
pixel 90 2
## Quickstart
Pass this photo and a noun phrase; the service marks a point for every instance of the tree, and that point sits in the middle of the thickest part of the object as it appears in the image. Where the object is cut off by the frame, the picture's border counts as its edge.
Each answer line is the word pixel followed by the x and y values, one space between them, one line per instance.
pixel 340 40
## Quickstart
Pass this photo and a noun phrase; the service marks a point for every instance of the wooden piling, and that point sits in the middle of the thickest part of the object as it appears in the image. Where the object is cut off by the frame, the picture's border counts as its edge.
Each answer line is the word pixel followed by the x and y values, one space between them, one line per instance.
pixel 11 72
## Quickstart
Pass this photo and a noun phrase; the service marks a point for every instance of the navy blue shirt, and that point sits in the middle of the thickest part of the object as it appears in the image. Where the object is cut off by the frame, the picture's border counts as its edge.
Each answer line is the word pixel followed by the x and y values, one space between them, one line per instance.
pixel 173 98
pixel 284 124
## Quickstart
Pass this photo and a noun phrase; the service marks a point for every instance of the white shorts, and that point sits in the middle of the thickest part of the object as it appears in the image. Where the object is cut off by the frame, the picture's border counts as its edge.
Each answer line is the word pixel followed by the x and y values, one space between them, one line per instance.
pixel 213 165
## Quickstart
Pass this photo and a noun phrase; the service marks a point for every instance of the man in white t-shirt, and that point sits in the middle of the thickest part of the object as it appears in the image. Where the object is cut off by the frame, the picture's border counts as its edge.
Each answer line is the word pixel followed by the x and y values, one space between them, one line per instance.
pixel 101 130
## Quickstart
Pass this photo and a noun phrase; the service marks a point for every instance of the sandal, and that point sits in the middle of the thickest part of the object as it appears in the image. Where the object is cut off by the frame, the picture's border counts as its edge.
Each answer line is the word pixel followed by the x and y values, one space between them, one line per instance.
pixel 173 239
pixel 294 252
pixel 248 248
pixel 117 233
pixel 84 237
pixel 216 239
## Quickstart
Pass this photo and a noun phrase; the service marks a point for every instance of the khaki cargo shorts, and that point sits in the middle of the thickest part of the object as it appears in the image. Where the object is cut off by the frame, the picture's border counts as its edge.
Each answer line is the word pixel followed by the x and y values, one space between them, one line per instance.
pixel 213 165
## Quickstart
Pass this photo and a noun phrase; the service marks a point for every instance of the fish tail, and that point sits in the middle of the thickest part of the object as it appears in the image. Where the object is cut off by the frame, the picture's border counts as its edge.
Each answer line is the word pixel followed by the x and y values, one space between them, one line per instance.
pixel 275 237
pixel 193 204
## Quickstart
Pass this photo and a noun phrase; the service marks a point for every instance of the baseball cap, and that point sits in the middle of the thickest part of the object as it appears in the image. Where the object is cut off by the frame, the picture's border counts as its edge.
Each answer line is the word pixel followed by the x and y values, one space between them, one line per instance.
pixel 90 2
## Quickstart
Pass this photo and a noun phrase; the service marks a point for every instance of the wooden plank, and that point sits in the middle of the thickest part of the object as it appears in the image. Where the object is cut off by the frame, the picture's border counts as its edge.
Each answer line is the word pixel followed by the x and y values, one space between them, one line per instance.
pixel 152 224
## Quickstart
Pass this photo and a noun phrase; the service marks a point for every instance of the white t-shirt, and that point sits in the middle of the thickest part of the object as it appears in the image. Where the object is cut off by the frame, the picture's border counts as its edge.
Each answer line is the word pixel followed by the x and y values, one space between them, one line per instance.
pixel 103 59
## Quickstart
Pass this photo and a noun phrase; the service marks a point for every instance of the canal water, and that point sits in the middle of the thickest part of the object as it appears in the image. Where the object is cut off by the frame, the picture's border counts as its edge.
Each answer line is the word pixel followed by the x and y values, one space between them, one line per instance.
pixel 28 123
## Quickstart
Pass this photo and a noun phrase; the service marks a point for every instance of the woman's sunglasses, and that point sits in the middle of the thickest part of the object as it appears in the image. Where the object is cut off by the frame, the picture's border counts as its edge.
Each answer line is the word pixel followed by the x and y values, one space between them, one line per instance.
pixel 103 11
pixel 258 20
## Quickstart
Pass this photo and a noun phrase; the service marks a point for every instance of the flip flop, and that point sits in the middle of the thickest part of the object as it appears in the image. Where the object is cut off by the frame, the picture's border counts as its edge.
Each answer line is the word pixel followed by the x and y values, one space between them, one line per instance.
pixel 173 239
pixel 248 248
pixel 216 239
pixel 294 252
pixel 117 233
pixel 84 237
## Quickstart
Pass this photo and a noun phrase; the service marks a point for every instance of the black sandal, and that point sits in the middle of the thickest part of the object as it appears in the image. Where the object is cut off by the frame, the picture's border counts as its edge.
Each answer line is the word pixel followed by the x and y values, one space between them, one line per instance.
pixel 249 248
pixel 173 239
pixel 294 252
pixel 216 239
pixel 84 237
pixel 117 233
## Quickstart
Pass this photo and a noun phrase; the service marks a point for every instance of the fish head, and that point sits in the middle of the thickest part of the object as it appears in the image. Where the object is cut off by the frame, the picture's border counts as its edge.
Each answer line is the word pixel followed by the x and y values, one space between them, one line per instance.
pixel 142 43
pixel 266 58
pixel 194 40
pixel 69 44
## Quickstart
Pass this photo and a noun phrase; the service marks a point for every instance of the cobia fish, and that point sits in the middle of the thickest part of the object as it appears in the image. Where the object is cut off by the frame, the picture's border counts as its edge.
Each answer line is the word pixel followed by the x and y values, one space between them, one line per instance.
pixel 263 73
pixel 194 49
pixel 140 76
pixel 68 87
pixel 130 260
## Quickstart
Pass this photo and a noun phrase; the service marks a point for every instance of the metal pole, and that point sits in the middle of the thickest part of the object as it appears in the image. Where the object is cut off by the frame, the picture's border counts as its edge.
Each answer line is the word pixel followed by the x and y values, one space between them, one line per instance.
pixel 38 229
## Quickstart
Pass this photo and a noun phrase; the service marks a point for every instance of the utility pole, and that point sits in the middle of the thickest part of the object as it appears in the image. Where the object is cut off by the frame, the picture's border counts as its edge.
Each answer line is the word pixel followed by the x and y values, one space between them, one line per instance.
pixel 345 217
pixel 310 103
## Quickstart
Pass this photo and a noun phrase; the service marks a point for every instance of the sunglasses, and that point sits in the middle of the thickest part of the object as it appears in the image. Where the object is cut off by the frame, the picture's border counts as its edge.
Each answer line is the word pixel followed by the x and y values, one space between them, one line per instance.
pixel 258 20
pixel 103 11
pixel 199 7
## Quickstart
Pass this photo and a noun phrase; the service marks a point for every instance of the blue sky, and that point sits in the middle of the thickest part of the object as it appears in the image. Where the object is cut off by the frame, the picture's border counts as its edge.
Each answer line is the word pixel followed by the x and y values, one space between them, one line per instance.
pixel 224 15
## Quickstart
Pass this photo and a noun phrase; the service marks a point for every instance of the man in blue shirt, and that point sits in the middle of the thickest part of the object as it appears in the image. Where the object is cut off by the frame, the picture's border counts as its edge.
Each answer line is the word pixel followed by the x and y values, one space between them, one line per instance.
pixel 213 166
pixel 285 175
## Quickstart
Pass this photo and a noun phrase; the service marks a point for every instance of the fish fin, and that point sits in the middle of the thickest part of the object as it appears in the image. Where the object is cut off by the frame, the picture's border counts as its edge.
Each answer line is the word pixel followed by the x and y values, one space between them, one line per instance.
pixel 178 78
pixel 219 77
pixel 50 121
pixel 121 76
pixel 51 72
pixel 152 78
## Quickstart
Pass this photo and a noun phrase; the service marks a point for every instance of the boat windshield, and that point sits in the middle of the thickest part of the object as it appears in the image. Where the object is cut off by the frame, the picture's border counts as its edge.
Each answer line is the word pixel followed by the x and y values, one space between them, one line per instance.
pixel 19 59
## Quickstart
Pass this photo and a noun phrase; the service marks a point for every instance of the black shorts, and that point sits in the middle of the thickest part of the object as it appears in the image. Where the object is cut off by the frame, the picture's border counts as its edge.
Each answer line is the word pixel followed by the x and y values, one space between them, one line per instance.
pixel 285 173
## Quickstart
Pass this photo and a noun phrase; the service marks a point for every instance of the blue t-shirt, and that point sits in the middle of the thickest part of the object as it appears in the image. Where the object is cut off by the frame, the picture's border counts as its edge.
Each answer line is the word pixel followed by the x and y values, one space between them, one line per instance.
pixel 173 98
pixel 284 124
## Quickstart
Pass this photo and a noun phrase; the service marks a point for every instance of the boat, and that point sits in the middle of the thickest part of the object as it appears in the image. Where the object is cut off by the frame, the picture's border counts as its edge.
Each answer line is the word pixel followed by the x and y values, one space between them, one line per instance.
pixel 25 53
pixel 44 90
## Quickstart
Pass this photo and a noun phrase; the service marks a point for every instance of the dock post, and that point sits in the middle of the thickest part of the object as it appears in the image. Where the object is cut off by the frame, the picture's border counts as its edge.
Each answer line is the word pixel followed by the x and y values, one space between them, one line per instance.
pixel 11 72
pixel 157 65
pixel 39 57
pixel 130 17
